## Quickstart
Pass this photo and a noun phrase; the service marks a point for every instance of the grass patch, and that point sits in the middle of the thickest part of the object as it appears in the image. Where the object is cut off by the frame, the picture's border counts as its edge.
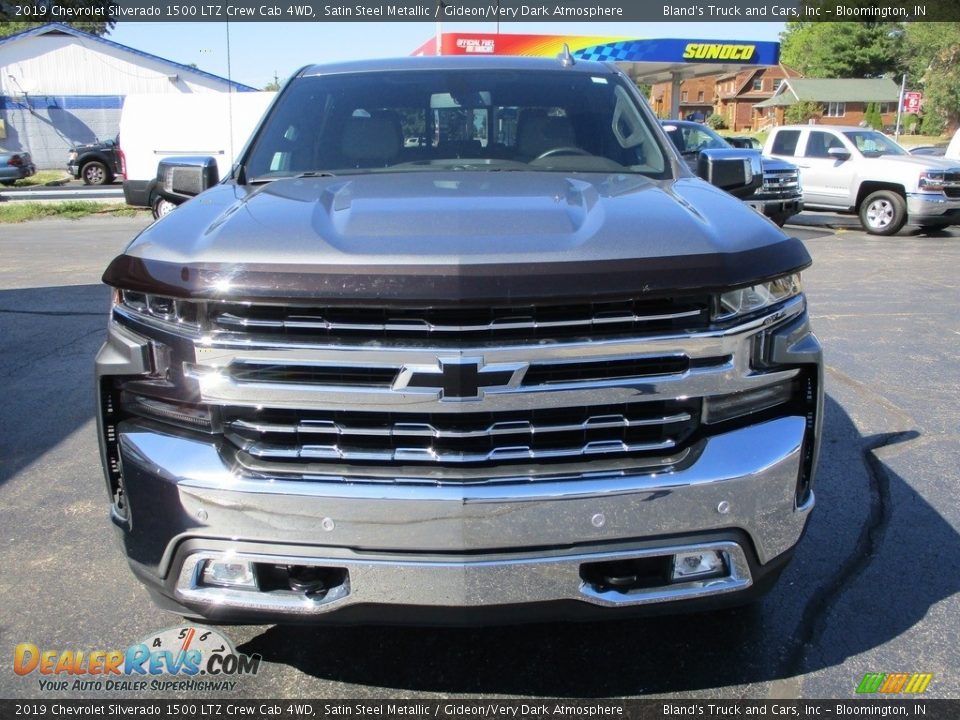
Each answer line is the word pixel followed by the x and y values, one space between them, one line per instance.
pixel 42 177
pixel 909 141
pixel 17 212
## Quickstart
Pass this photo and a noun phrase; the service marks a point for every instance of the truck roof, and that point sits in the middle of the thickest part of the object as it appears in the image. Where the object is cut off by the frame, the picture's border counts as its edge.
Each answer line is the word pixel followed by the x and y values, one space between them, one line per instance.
pixel 818 126
pixel 457 62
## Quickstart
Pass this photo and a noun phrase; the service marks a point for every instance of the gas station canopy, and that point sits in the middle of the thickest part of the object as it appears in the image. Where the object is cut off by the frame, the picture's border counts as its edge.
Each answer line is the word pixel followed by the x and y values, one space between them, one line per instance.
pixel 650 61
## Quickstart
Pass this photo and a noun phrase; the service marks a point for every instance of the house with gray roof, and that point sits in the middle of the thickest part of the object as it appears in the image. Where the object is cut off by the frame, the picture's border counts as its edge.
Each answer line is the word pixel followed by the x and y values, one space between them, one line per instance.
pixel 841 101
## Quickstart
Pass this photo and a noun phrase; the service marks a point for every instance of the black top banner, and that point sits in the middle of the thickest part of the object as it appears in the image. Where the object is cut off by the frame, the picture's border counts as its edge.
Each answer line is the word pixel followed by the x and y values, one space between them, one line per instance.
pixel 480 10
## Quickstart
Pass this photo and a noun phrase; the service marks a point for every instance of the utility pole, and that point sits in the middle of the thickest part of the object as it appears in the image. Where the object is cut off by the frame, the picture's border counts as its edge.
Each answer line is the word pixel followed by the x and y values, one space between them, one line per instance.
pixel 903 90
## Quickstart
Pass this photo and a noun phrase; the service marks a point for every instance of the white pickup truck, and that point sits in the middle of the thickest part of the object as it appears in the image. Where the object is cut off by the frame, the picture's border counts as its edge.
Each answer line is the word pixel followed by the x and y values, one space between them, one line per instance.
pixel 852 169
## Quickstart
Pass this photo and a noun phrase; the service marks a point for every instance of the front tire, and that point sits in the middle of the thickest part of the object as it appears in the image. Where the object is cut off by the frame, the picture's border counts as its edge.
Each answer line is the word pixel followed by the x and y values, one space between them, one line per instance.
pixel 883 212
pixel 95 173
pixel 161 207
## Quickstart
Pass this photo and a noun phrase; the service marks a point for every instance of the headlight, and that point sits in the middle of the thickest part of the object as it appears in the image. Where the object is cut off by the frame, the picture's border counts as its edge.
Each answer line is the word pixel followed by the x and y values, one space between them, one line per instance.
pixel 931 181
pixel 158 307
pixel 745 301
pixel 72 155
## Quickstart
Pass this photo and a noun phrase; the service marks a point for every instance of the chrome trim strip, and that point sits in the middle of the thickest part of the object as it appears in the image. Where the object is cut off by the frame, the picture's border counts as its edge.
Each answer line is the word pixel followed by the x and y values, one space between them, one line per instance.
pixel 230 320
pixel 216 389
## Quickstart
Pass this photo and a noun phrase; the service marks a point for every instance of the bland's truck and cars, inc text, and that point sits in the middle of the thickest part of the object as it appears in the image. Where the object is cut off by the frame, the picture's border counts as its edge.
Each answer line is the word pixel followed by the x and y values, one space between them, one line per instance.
pixel 459 340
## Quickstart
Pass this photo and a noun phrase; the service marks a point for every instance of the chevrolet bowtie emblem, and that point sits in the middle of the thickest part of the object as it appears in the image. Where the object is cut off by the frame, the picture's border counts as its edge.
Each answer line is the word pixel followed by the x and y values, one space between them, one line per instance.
pixel 458 378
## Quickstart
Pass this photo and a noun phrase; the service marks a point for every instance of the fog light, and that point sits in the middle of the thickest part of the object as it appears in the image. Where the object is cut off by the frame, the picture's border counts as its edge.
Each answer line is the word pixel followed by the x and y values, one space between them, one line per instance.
pixel 229 573
pixel 198 417
pixel 726 407
pixel 708 563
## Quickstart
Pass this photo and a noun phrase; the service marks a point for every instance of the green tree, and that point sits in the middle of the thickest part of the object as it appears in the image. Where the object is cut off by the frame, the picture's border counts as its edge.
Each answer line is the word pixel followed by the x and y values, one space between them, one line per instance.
pixel 872 116
pixel 717 122
pixel 94 28
pixel 842 49
pixel 933 49
pixel 800 112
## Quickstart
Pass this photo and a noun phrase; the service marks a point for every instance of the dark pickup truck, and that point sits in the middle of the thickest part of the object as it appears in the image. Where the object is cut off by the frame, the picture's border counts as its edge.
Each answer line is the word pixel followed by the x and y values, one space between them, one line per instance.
pixel 98 163
pixel 459 340
pixel 779 196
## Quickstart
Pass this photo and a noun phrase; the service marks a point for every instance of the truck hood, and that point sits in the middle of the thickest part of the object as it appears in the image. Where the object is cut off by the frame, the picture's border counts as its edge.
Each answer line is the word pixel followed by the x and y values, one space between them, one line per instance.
pixel 456 237
pixel 920 162
pixel 772 163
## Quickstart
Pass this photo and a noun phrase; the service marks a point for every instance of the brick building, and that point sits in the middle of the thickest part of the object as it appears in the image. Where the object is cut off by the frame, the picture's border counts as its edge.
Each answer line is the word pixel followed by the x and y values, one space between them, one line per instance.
pixel 738 93
pixel 731 94
pixel 696 98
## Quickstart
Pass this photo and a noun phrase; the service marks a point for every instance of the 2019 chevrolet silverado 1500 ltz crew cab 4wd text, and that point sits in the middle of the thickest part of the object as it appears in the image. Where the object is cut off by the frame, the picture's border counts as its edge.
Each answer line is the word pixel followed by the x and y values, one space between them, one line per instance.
pixel 458 340
pixel 861 170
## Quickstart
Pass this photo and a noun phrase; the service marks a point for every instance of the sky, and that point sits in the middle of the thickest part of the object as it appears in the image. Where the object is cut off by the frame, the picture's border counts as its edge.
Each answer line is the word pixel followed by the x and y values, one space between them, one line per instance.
pixel 260 50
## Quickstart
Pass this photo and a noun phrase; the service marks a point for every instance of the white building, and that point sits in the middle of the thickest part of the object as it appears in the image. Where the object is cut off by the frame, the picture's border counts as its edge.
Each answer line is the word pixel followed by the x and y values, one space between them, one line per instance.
pixel 60 87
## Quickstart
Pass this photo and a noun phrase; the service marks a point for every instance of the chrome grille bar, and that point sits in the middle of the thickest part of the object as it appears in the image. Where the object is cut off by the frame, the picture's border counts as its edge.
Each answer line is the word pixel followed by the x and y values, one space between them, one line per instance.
pixel 518 452
pixel 329 427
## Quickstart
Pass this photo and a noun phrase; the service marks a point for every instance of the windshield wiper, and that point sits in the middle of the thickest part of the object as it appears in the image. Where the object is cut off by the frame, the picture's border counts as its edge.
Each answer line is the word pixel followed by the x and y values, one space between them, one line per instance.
pixel 308 174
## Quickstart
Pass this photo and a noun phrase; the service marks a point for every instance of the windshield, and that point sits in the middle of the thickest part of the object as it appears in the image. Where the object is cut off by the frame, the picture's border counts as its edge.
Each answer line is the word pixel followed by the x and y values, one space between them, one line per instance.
pixel 455 120
pixel 691 138
pixel 873 144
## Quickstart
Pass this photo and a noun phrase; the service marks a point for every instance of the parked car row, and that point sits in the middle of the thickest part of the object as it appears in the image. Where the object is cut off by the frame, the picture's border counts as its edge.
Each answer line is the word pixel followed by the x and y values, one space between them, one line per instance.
pixel 837 168
pixel 843 169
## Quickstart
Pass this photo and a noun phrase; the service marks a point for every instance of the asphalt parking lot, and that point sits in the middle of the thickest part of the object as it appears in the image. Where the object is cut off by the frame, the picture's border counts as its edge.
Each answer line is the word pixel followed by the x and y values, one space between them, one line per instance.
pixel 873 587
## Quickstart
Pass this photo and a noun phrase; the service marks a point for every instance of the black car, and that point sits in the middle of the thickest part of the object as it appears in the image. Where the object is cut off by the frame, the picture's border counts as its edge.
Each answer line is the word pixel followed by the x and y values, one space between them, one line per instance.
pixel 938 150
pixel 742 141
pixel 98 163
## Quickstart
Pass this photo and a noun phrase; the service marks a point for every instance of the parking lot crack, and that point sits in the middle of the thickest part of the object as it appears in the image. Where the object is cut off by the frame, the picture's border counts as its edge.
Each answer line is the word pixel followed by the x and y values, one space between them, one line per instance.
pixel 815 616
pixel 14 371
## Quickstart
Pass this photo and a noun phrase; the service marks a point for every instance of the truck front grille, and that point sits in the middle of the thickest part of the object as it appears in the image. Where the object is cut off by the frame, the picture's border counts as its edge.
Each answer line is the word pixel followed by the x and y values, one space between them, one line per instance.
pixel 781 183
pixel 463 395
pixel 472 438
pixel 951 183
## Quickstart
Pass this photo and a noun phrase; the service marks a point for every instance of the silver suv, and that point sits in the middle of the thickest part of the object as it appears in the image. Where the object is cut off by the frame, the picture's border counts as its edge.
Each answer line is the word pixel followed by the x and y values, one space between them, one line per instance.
pixel 852 169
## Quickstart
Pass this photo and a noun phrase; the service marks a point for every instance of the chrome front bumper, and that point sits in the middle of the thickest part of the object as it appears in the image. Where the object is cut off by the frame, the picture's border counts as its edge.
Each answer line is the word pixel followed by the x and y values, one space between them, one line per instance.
pixel 927 208
pixel 454 545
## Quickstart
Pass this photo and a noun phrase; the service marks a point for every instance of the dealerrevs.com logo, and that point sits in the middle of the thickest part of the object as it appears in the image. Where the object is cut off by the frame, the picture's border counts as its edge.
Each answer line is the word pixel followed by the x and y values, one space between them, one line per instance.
pixel 187 658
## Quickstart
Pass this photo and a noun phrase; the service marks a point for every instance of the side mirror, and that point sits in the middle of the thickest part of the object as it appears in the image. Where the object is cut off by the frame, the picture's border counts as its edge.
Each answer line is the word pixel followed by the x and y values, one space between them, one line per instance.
pixel 181 178
pixel 738 171
pixel 839 153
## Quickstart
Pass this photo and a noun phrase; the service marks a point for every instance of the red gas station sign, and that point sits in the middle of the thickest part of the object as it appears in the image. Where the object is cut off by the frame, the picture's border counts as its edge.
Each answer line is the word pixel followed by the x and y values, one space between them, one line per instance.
pixel 911 102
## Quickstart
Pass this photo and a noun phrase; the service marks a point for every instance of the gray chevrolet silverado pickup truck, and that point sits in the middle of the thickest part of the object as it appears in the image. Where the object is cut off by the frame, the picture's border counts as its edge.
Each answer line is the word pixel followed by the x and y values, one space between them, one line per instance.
pixel 458 340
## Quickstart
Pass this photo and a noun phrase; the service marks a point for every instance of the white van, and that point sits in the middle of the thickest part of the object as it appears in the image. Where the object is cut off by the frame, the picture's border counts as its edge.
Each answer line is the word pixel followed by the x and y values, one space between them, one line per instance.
pixel 154 127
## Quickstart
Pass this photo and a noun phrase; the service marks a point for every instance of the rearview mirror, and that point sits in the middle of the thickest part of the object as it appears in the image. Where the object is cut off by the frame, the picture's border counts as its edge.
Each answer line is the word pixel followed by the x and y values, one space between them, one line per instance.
pixel 839 153
pixel 181 178
pixel 736 170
